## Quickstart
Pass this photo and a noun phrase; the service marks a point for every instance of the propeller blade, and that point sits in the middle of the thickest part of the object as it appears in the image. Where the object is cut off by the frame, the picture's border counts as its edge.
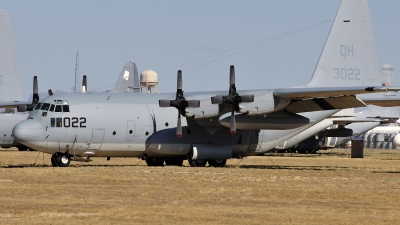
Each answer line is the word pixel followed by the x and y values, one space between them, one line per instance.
pixel 232 75
pixel 193 103
pixel 35 98
pixel 164 103
pixel 179 92
pixel 50 92
pixel 217 100
pixel 233 122
pixel 179 127
pixel 84 84
pixel 247 98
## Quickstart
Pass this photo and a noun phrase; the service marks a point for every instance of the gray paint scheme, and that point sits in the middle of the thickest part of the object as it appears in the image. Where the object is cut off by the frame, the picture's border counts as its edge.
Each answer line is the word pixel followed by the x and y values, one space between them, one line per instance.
pixel 155 129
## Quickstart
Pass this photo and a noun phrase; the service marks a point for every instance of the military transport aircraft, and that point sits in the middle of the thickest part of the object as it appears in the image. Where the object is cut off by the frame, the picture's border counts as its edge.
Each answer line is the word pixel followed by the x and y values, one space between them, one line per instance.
pixel 218 125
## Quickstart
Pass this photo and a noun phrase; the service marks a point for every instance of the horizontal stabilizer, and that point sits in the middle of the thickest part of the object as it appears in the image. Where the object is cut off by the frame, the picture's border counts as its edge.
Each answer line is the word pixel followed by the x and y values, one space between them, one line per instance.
pixel 384 102
pixel 13 104
pixel 323 92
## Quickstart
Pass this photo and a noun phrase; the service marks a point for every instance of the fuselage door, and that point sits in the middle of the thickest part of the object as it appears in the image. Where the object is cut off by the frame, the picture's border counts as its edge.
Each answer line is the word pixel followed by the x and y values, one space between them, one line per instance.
pixel 97 139
pixel 130 131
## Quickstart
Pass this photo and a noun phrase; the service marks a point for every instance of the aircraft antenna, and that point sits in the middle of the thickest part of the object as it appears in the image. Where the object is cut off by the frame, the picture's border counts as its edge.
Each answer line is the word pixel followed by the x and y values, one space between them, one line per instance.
pixel 77 77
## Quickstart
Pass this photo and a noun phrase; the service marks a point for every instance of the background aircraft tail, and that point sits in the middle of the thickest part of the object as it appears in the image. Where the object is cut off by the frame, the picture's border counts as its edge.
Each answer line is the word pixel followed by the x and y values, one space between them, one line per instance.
pixel 128 80
pixel 349 55
pixel 10 83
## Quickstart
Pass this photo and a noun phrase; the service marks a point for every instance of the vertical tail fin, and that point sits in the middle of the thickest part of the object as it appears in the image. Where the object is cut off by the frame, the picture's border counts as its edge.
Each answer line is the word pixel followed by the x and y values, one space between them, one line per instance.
pixel 10 83
pixel 349 55
pixel 128 80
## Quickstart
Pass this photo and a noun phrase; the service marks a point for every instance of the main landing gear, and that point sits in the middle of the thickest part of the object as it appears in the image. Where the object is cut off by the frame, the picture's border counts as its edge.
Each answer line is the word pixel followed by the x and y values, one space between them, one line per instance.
pixel 60 159
pixel 203 162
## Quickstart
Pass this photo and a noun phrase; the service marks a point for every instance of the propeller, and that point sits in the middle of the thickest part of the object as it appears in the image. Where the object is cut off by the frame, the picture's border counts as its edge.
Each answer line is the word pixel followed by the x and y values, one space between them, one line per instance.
pixel 180 103
pixel 84 83
pixel 35 98
pixel 234 99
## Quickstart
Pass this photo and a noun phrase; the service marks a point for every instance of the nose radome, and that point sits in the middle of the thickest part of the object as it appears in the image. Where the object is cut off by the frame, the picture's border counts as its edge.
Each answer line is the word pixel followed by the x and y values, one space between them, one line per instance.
pixel 28 131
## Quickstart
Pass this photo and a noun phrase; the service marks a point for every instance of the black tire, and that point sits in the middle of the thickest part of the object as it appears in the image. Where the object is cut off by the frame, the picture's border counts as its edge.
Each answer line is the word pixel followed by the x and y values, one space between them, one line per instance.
pixel 53 161
pixel 22 148
pixel 197 162
pixel 60 159
pixel 174 162
pixel 154 162
pixel 217 162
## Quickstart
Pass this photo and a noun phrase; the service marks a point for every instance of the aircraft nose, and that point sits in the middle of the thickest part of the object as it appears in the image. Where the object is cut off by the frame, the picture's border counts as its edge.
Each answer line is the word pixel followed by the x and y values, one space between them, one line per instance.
pixel 28 131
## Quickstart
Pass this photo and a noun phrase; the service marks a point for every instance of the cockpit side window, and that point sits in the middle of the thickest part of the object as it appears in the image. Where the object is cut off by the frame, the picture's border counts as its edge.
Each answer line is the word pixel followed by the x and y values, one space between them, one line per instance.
pixel 65 108
pixel 38 106
pixel 58 108
pixel 45 106
pixel 51 108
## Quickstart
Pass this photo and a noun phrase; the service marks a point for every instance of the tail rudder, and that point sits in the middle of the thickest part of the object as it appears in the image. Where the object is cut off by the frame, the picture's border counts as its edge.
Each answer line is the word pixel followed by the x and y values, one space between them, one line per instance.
pixel 128 80
pixel 10 83
pixel 349 55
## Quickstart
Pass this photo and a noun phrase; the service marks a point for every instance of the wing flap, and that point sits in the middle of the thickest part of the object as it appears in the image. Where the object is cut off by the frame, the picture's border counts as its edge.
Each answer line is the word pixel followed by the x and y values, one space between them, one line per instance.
pixel 318 104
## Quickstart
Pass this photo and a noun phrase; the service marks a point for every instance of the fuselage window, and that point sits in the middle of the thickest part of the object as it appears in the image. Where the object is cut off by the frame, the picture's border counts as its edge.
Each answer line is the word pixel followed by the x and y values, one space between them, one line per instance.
pixel 58 122
pixel 51 108
pixel 45 106
pixel 52 122
pixel 58 108
pixel 66 108
pixel 38 106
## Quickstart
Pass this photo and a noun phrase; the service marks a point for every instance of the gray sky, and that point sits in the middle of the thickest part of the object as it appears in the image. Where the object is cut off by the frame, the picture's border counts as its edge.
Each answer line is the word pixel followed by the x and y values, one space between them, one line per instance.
pixel 159 35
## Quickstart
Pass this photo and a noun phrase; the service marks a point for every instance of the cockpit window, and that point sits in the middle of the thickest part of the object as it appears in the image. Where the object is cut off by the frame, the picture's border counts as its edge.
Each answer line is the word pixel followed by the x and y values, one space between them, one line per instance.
pixel 58 108
pixel 45 106
pixel 66 108
pixel 51 108
pixel 38 106
pixel 60 102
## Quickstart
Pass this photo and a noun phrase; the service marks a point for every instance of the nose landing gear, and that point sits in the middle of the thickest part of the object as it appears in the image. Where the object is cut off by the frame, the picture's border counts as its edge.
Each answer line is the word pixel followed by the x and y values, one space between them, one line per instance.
pixel 60 159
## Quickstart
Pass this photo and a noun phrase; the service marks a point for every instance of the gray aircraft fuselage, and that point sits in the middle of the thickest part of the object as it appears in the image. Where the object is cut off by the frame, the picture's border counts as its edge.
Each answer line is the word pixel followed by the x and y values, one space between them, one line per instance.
pixel 114 124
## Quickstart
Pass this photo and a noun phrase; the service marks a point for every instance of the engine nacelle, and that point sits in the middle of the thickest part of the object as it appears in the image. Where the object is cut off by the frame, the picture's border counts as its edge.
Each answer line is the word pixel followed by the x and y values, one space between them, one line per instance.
pixel 276 121
pixel 264 102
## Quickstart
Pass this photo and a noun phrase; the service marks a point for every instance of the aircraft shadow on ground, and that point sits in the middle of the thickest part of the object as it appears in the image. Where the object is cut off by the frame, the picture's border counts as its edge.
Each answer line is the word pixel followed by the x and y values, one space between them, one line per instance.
pixel 288 167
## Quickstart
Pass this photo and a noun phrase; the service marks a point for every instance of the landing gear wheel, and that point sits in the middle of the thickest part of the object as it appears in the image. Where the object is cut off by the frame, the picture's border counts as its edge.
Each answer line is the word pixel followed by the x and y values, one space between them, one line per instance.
pixel 197 162
pixel 22 148
pixel 174 162
pixel 154 162
pixel 60 159
pixel 217 162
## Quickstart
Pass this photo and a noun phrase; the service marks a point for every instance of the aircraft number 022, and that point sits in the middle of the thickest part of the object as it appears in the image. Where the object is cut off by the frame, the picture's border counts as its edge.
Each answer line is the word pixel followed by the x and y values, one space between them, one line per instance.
pixel 74 122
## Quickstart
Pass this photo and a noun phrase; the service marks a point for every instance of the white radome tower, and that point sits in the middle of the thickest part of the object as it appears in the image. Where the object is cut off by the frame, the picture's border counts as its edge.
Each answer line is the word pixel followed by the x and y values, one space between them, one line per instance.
pixel 149 80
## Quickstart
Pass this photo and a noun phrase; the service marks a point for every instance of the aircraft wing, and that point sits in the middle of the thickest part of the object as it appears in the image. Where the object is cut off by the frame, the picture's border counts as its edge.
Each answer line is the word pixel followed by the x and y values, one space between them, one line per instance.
pixel 326 98
pixel 14 104
pixel 384 102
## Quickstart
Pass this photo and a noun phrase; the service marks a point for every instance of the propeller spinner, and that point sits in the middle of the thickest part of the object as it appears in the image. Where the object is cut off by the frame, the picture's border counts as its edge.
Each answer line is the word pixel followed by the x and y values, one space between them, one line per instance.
pixel 180 103
pixel 234 99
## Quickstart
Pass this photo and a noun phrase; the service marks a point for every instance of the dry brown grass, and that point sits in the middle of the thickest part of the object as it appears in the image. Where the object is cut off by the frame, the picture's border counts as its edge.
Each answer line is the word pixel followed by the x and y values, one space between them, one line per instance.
pixel 327 188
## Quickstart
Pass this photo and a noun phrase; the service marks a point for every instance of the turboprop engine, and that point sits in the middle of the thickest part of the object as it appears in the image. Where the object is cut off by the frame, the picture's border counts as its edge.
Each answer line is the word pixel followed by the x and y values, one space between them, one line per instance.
pixel 276 121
